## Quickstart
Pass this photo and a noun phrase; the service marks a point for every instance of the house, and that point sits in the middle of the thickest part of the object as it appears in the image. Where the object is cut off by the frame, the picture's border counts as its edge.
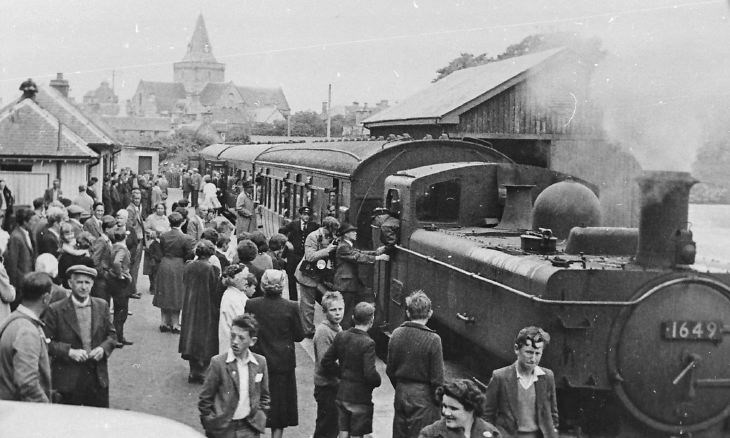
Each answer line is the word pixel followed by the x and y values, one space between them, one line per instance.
pixel 44 136
pixel 536 109
pixel 101 101
pixel 199 88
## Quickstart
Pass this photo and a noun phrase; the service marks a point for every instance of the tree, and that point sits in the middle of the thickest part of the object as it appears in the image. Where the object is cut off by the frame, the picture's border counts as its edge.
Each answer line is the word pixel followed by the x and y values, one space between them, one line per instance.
pixel 588 48
pixel 307 124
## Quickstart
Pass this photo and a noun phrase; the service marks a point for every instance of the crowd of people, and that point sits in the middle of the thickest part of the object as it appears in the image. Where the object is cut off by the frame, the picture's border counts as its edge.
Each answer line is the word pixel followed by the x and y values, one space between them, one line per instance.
pixel 239 301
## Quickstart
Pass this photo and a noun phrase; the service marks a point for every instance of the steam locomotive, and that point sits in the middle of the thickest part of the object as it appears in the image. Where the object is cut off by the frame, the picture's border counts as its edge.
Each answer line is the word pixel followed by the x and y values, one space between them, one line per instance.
pixel 637 329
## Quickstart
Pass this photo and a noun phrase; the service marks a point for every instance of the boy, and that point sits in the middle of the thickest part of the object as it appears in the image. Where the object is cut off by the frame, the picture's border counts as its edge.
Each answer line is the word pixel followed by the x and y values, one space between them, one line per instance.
pixel 534 412
pixel 235 395
pixel 352 354
pixel 416 368
pixel 325 387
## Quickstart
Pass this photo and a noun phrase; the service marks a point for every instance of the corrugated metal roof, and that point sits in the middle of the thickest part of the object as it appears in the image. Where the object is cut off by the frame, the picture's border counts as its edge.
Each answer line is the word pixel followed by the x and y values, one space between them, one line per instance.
pixel 459 88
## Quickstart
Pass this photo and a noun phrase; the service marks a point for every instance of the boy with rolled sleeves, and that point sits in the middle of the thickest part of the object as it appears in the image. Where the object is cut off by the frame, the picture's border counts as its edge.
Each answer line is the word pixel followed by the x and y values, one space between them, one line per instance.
pixel 352 357
pixel 235 395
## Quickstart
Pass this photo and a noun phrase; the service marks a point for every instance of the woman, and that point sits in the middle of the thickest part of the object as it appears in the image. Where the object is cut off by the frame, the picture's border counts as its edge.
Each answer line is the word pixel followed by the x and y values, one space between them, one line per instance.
pixel 158 220
pixel 461 406
pixel 169 286
pixel 74 251
pixel 199 335
pixel 210 195
pixel 281 327
pixel 240 286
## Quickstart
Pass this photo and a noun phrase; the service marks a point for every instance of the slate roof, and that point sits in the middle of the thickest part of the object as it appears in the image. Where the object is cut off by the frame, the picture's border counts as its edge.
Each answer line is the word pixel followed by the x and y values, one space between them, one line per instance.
pixel 461 90
pixel 260 97
pixel 28 130
pixel 167 94
pixel 212 91
pixel 54 102
pixel 138 123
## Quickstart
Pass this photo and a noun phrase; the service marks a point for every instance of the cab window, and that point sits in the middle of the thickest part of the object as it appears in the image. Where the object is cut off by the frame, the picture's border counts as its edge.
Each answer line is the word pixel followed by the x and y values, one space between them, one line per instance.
pixel 439 202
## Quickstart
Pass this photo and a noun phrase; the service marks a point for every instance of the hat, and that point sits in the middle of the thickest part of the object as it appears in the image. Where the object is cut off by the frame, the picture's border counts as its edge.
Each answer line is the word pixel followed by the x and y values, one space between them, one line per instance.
pixel 305 210
pixel 345 228
pixel 74 209
pixel 81 269
pixel 108 220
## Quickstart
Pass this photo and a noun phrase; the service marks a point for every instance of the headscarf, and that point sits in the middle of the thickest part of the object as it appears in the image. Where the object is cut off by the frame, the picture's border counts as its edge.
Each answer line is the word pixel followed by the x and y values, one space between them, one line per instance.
pixel 272 282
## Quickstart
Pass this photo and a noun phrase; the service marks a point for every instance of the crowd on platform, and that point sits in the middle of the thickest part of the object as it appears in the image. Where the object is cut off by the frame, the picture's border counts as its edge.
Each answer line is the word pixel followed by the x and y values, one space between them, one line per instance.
pixel 239 301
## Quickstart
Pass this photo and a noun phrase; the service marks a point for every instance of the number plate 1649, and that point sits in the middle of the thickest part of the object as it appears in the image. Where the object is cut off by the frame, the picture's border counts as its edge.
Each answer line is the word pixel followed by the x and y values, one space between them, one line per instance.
pixel 693 330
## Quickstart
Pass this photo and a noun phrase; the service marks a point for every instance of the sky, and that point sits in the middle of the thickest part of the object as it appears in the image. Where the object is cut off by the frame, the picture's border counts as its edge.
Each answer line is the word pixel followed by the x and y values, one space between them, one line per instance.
pixel 659 50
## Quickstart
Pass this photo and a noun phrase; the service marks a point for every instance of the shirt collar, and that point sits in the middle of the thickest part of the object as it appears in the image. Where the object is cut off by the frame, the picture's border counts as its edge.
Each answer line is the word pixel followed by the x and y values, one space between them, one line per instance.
pixel 532 378
pixel 77 303
pixel 231 357
pixel 29 313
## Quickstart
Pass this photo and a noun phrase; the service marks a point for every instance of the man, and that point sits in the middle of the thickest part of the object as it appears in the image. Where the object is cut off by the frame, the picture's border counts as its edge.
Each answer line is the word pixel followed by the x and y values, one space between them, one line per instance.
pixel 81 340
pixel 93 224
pixel 135 223
pixel 187 184
pixel 319 249
pixel 25 371
pixel 50 238
pixel 245 213
pixel 521 399
pixel 90 190
pixel 386 227
pixel 20 257
pixel 416 368
pixel 101 254
pixel 163 184
pixel 84 201
pixel 196 224
pixel 35 221
pixel 235 396
pixel 74 218
pixel 296 233
pixel 53 193
pixel 196 184
pixel 106 194
pixel 347 278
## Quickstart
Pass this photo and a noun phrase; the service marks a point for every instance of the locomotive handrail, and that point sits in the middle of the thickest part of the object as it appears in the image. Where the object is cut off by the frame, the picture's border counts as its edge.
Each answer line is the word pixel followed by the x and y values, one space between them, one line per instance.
pixel 537 299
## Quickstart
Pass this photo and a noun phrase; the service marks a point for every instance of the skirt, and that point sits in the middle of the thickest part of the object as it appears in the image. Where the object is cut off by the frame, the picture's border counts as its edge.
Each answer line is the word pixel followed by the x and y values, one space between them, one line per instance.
pixel 283 390
pixel 169 287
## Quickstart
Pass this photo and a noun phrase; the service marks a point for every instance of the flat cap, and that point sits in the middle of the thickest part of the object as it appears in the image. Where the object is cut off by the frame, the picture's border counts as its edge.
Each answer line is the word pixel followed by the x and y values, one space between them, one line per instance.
pixel 345 228
pixel 81 269
pixel 74 209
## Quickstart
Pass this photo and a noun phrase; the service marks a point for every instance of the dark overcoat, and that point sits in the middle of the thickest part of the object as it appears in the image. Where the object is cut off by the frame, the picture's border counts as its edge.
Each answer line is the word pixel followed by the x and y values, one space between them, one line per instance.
pixel 347 278
pixel 169 286
pixel 199 328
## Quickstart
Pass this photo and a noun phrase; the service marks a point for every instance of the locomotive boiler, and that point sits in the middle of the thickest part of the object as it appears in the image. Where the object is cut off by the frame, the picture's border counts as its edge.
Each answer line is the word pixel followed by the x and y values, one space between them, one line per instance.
pixel 639 333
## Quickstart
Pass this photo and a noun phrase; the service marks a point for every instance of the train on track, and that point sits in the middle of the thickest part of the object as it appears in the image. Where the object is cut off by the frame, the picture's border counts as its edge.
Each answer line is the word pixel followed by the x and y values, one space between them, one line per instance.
pixel 639 331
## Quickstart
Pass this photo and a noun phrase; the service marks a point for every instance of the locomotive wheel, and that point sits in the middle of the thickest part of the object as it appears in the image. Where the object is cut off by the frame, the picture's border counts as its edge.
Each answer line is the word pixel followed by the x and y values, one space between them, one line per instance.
pixel 667 356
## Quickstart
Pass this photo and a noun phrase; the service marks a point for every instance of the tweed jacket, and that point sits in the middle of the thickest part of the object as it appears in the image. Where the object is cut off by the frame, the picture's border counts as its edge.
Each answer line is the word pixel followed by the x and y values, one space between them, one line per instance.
pixel 347 277
pixel 501 404
pixel 195 227
pixel 19 257
pixel 25 371
pixel 62 328
pixel 220 395
pixel 316 247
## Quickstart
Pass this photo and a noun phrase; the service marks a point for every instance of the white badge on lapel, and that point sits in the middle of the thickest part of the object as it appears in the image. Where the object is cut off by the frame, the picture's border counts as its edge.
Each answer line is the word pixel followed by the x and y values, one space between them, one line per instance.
pixel 258 378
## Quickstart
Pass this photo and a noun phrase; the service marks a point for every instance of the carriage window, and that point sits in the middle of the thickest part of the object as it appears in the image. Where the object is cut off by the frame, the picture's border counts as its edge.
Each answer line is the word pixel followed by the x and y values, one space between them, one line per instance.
pixel 439 202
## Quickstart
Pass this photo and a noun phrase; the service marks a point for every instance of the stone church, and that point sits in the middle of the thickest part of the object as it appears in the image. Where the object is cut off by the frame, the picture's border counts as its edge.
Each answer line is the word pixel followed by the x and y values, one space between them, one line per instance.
pixel 199 93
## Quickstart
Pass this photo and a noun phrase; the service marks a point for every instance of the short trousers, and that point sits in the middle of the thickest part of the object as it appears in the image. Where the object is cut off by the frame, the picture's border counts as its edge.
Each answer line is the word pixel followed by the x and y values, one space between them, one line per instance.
pixel 355 418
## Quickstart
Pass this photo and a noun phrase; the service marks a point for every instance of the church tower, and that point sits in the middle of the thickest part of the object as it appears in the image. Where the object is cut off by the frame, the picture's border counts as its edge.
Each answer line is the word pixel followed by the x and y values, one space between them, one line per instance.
pixel 199 66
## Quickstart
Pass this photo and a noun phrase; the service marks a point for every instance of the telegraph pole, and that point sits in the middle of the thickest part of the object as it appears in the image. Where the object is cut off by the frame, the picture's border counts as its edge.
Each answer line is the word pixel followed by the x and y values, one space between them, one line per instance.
pixel 329 111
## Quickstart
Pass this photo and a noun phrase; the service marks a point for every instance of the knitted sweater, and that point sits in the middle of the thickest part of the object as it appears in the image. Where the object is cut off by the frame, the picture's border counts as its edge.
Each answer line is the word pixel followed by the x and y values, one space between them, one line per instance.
pixel 415 355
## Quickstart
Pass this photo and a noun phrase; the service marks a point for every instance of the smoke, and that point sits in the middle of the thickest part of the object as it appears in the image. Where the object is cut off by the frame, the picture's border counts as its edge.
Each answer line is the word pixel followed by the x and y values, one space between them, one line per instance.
pixel 664 85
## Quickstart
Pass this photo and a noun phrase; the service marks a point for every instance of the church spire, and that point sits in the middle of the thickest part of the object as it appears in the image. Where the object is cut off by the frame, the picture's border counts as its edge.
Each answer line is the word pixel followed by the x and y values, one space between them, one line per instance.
pixel 199 48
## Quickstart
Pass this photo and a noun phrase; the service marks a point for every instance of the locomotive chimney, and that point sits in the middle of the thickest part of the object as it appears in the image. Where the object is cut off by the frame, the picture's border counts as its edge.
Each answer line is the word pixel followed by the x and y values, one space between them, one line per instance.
pixel 664 240
pixel 517 208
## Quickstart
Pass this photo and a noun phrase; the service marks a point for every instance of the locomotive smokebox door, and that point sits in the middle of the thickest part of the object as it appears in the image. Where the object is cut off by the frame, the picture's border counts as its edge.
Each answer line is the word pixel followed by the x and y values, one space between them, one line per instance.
pixel 670 352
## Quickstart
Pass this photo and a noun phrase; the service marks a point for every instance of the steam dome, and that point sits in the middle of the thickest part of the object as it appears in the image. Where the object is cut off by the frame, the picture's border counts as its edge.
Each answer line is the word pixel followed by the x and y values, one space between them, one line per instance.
pixel 565 205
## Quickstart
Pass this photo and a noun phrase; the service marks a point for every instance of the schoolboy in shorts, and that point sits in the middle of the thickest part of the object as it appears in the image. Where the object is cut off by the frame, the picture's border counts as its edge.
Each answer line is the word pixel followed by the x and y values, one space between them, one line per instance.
pixel 325 387
pixel 352 355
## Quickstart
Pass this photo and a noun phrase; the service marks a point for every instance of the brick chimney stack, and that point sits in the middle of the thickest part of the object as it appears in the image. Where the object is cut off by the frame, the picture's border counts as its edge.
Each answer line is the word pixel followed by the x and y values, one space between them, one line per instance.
pixel 60 84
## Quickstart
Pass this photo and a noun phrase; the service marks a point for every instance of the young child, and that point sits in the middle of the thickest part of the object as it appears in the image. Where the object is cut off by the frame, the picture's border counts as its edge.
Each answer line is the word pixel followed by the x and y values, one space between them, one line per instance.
pixel 352 354
pixel 120 285
pixel 240 285
pixel 325 387
pixel 221 414
pixel 152 257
